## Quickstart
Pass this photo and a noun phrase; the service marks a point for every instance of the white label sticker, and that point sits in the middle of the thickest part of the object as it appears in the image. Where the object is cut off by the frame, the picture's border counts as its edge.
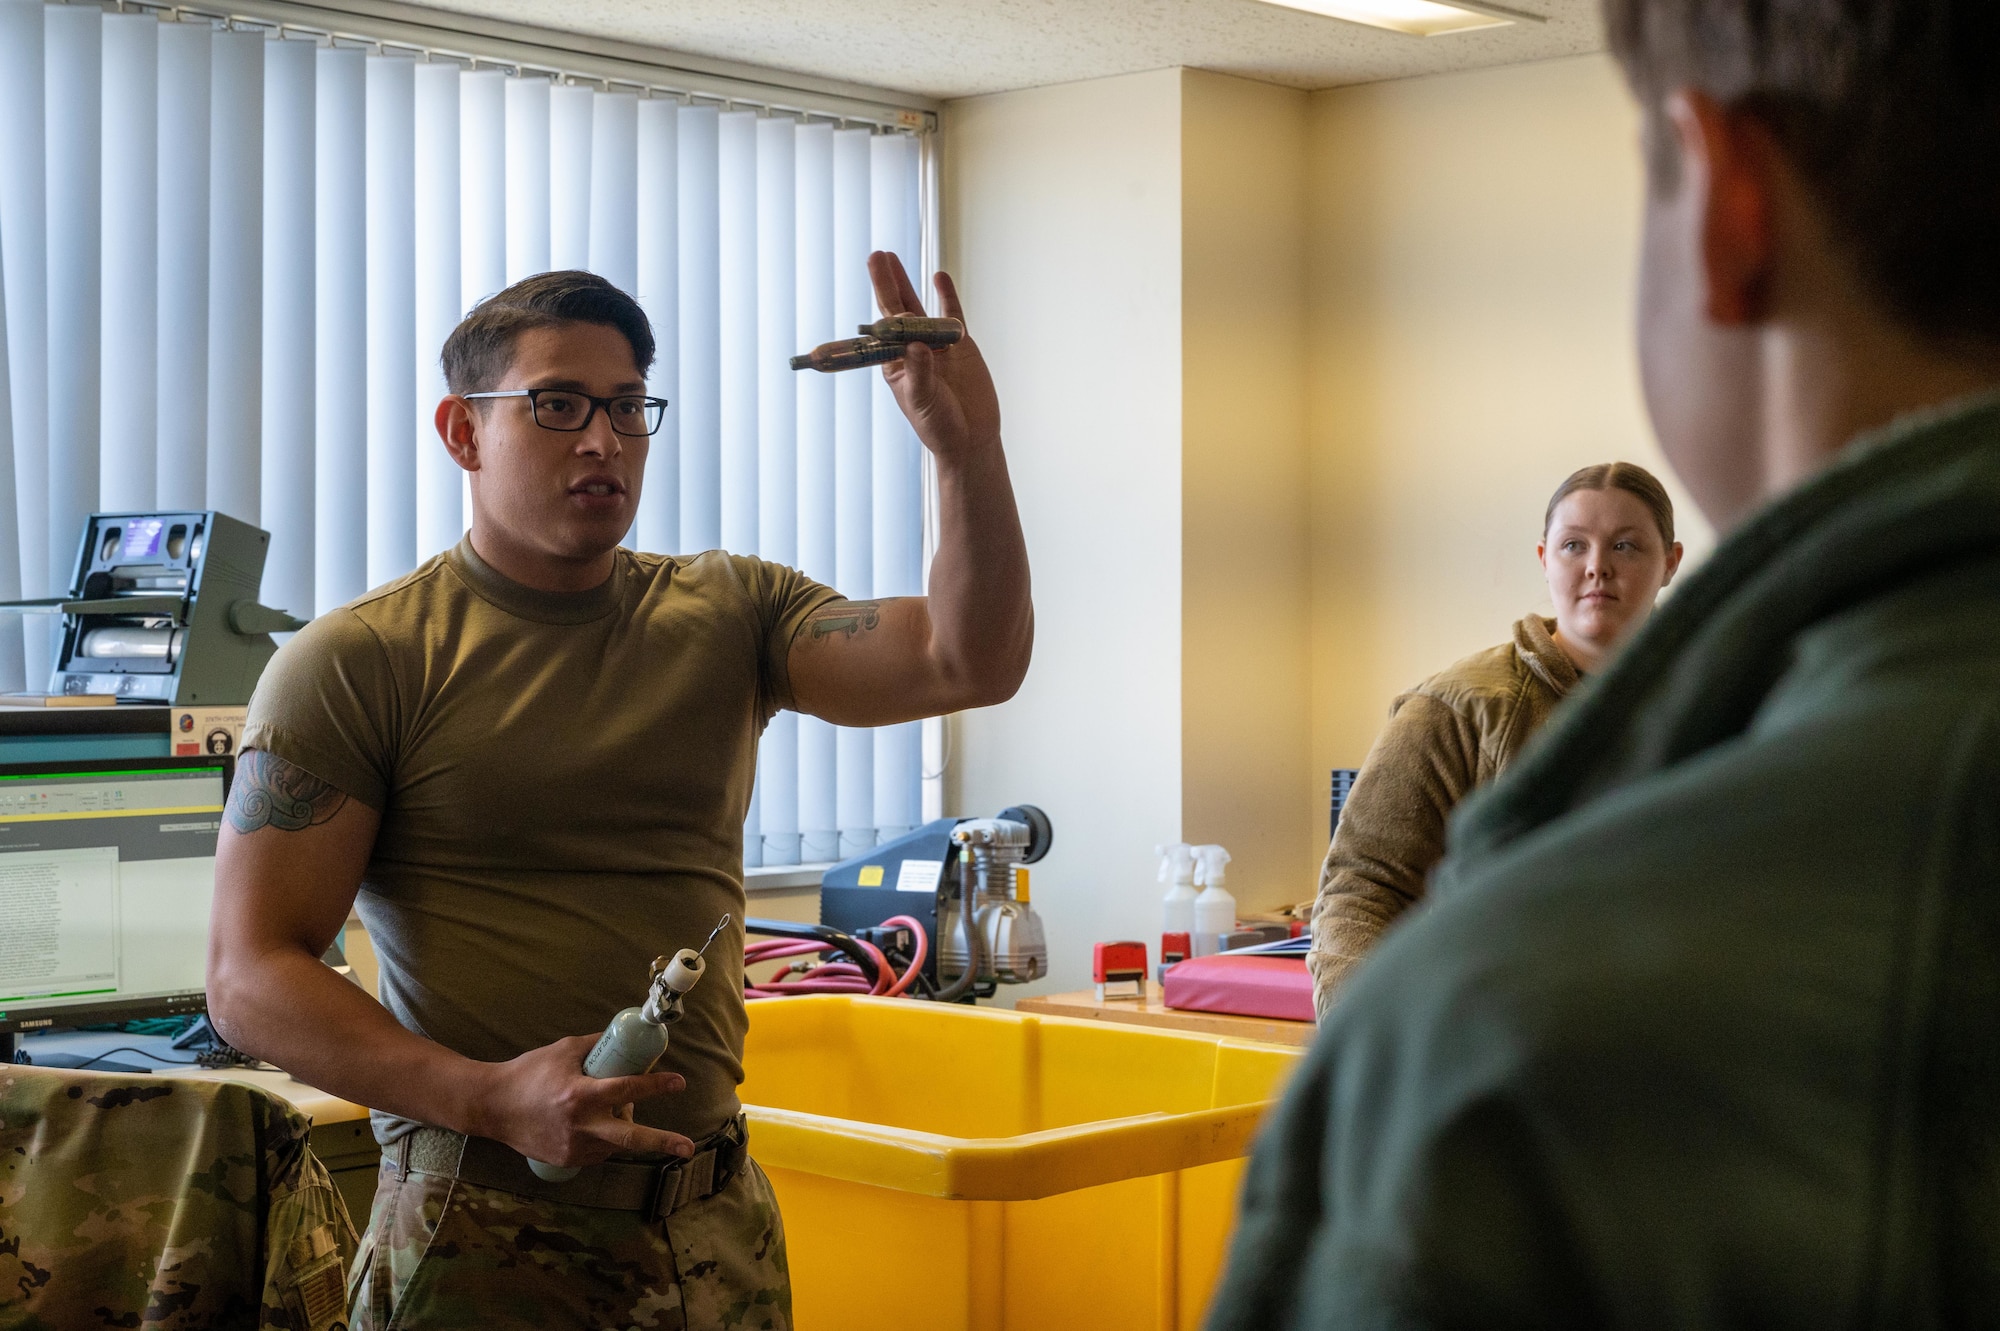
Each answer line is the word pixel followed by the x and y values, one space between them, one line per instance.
pixel 919 875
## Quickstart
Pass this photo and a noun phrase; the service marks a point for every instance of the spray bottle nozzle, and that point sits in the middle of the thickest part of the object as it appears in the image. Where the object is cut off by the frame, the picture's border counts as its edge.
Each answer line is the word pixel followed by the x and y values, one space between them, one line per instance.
pixel 1176 861
pixel 1209 862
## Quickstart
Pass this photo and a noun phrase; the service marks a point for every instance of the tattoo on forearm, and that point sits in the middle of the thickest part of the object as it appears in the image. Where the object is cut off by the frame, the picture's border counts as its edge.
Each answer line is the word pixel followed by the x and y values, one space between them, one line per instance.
pixel 845 618
pixel 270 792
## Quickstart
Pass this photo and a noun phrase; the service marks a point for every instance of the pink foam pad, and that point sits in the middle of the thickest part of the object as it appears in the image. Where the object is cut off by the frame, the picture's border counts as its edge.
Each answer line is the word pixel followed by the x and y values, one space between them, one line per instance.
pixel 1251 986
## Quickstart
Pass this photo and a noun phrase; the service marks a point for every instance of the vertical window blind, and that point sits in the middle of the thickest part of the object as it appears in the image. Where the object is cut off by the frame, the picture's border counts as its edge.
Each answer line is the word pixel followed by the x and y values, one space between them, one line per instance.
pixel 230 257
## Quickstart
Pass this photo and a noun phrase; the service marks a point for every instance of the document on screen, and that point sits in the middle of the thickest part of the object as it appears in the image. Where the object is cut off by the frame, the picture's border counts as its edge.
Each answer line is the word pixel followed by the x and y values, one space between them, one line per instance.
pixel 58 923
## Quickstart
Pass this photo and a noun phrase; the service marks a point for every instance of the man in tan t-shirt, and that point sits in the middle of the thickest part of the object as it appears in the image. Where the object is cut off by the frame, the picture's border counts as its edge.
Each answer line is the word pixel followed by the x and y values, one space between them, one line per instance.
pixel 528 764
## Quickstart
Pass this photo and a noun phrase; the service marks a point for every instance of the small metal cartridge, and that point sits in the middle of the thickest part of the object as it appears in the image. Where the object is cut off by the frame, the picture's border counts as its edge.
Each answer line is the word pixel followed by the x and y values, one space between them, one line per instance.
pixel 851 354
pixel 915 328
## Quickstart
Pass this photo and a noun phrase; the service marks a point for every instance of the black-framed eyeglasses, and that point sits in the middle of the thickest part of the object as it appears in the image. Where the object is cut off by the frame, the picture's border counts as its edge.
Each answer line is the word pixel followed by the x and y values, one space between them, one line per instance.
pixel 568 410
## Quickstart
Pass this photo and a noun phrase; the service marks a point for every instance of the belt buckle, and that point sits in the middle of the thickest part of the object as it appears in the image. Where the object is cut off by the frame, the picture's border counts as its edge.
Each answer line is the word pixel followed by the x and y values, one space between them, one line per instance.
pixel 666 1189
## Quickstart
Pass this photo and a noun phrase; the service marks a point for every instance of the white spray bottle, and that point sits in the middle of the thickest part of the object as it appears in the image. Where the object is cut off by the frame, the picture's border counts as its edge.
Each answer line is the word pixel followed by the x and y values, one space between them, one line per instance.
pixel 637 1037
pixel 1214 909
pixel 1177 867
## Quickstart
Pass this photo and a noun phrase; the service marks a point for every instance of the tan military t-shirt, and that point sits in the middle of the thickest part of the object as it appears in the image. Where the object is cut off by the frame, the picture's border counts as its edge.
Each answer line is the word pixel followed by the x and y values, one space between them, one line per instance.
pixel 562 780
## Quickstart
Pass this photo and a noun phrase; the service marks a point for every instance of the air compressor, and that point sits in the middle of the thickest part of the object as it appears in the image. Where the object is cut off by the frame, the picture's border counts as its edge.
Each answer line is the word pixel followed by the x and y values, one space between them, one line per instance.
pixel 944 908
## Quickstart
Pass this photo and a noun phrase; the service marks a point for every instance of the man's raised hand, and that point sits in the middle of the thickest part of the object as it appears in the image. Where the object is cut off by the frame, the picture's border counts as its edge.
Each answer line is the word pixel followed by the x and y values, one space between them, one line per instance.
pixel 946 392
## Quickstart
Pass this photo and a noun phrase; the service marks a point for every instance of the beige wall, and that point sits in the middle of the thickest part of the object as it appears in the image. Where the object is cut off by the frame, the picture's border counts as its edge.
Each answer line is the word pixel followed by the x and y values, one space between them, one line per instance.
pixel 1288 380
pixel 1246 760
pixel 1471 249
pixel 1062 225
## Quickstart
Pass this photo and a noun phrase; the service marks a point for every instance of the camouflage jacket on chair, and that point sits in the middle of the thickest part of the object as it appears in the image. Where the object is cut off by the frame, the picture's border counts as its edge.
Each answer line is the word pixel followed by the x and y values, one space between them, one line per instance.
pixel 167 1203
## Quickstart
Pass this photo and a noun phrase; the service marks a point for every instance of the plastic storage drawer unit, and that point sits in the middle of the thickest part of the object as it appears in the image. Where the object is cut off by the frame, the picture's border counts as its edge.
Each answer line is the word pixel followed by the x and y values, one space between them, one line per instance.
pixel 951 1167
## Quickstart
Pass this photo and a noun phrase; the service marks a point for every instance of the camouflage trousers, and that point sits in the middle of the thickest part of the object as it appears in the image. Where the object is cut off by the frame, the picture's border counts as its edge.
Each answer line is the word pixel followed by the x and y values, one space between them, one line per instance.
pixel 441 1253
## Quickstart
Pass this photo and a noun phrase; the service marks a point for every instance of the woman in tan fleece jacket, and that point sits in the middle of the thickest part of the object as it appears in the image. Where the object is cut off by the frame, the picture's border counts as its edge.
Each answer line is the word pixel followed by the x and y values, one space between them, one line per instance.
pixel 1607 549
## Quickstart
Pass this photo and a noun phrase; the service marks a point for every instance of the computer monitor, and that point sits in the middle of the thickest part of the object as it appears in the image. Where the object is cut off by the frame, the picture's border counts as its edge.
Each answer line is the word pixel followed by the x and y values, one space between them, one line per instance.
pixel 106 871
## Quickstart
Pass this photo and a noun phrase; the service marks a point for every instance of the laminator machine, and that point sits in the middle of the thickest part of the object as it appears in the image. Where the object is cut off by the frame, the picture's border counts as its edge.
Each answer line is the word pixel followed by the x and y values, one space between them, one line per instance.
pixel 163 609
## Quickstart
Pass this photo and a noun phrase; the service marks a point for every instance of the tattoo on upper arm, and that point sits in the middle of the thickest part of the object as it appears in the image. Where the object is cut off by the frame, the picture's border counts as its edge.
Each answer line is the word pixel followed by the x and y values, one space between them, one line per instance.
pixel 843 619
pixel 270 792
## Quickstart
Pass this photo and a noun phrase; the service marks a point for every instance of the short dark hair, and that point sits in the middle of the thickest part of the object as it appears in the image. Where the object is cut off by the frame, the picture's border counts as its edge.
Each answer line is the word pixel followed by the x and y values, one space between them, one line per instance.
pixel 1630 477
pixel 1888 109
pixel 481 348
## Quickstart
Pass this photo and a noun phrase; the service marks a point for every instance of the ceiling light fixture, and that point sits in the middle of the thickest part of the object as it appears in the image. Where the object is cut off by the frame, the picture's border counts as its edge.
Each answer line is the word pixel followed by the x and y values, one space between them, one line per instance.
pixel 1419 18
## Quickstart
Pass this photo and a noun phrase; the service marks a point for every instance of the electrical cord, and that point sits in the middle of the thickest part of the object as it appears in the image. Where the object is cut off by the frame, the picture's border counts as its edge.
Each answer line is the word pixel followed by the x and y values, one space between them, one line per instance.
pixel 916 969
pixel 143 1053
pixel 968 928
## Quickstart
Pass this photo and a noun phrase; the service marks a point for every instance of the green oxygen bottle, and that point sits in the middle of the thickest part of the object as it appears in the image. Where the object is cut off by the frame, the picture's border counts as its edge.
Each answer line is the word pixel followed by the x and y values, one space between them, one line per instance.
pixel 637 1037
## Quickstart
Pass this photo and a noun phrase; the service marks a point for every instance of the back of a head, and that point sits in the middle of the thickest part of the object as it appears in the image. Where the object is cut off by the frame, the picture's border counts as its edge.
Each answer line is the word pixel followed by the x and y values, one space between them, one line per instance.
pixel 481 348
pixel 1888 109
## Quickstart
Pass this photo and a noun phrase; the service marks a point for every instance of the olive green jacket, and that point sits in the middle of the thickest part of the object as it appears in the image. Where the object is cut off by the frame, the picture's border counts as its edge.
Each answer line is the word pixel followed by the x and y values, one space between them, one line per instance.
pixel 1700 1026
pixel 163 1201
pixel 1458 729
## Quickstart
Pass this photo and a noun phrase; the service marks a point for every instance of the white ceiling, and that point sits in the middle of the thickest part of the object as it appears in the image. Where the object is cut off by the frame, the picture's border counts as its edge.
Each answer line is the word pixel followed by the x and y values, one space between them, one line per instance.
pixel 958 48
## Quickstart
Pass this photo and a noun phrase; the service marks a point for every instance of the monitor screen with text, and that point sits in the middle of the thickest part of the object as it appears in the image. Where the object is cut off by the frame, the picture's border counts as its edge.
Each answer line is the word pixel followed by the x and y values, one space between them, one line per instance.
pixel 106 871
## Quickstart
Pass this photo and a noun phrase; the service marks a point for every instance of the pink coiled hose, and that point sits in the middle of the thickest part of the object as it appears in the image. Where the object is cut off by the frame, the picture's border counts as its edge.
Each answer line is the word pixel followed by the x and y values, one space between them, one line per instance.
pixel 831 977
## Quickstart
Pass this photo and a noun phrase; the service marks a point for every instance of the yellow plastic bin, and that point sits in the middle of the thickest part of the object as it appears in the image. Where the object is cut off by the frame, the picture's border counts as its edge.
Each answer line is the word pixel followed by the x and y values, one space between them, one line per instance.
pixel 951 1167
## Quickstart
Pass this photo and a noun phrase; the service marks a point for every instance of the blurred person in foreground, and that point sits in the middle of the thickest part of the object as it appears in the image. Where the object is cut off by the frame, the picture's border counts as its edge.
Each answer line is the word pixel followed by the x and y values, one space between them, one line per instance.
pixel 1702 1025
pixel 1607 551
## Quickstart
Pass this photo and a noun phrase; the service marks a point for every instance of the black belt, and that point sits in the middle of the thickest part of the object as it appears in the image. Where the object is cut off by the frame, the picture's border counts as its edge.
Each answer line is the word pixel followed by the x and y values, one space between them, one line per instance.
pixel 654 1190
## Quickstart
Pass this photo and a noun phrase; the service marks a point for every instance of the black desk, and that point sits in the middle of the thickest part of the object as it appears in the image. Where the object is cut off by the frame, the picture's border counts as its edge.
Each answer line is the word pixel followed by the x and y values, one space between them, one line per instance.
pixel 82 734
